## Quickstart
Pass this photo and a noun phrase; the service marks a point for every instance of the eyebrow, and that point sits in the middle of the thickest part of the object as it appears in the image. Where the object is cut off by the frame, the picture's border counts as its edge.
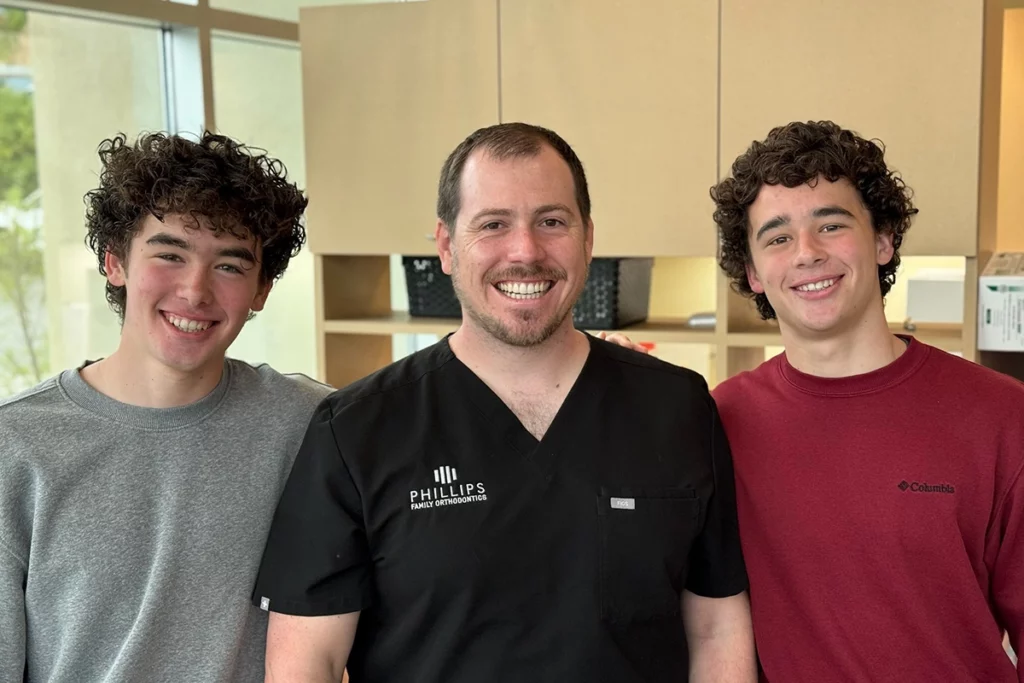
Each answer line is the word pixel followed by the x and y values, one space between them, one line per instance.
pixel 179 243
pixel 783 219
pixel 505 213
pixel 548 208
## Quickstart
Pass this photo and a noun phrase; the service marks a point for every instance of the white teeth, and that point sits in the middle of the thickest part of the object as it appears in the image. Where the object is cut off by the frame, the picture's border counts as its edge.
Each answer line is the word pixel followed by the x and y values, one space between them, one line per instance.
pixel 524 290
pixel 816 286
pixel 186 325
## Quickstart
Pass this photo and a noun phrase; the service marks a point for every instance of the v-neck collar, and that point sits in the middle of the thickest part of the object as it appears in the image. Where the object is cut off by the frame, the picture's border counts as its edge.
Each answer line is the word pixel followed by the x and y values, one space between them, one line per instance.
pixel 506 425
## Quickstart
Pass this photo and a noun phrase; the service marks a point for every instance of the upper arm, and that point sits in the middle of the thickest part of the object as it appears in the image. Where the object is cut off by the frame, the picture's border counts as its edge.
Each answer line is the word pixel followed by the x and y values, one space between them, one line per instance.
pixel 309 648
pixel 716 568
pixel 715 617
pixel 317 559
pixel 12 616
pixel 1006 549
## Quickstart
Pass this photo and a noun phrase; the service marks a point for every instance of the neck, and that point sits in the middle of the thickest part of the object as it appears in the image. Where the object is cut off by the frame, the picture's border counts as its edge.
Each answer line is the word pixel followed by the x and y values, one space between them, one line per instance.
pixel 146 383
pixel 553 361
pixel 867 346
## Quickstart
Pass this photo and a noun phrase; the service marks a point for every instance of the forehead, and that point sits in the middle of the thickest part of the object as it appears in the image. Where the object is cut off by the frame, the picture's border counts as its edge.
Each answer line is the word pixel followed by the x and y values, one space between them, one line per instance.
pixel 197 231
pixel 515 182
pixel 799 202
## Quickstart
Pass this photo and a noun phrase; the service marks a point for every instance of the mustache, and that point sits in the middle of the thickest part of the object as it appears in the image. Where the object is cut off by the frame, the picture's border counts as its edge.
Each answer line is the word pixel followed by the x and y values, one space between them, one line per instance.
pixel 527 273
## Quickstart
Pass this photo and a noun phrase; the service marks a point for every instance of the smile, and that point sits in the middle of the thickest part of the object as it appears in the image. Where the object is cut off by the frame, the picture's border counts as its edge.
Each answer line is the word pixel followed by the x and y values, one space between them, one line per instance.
pixel 188 325
pixel 524 290
pixel 817 286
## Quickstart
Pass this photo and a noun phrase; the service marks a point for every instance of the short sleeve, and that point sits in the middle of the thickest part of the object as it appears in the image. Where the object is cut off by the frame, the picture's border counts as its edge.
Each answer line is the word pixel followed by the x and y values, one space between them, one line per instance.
pixel 316 561
pixel 716 559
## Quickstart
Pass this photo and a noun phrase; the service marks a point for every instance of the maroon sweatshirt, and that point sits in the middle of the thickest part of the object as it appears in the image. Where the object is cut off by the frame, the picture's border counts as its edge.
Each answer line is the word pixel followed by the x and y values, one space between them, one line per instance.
pixel 881 518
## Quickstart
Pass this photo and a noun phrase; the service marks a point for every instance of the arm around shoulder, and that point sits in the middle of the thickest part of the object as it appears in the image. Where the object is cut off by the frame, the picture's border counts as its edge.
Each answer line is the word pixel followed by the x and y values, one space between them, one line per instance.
pixel 309 649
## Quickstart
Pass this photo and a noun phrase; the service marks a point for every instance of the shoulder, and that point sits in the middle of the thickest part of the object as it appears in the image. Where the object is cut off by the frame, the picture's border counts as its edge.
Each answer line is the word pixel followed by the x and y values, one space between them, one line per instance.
pixel 965 382
pixel 398 382
pixel 32 422
pixel 263 378
pixel 747 384
pixel 42 402
pixel 647 368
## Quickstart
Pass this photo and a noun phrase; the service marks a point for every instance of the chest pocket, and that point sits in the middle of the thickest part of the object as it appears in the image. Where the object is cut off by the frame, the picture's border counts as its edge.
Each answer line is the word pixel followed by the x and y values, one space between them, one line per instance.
pixel 645 537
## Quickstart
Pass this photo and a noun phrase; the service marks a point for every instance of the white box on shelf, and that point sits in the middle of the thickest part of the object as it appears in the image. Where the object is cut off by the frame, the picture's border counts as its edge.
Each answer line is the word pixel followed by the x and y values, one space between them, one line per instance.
pixel 936 295
pixel 1001 303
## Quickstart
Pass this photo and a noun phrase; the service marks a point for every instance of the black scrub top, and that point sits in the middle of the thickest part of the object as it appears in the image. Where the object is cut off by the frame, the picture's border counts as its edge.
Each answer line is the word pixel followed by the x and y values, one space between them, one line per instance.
pixel 478 554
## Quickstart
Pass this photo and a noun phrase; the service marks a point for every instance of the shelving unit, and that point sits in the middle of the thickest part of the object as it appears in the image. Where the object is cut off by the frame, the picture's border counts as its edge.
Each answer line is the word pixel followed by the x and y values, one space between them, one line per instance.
pixel 388 93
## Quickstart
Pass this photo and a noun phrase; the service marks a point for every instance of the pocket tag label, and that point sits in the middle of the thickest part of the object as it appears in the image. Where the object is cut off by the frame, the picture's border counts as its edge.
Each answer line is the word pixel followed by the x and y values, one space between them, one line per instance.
pixel 623 503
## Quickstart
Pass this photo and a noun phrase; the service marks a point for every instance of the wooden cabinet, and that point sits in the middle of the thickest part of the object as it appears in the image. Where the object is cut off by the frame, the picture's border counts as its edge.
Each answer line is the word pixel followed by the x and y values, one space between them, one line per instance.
pixel 632 86
pixel 908 73
pixel 389 90
pixel 658 97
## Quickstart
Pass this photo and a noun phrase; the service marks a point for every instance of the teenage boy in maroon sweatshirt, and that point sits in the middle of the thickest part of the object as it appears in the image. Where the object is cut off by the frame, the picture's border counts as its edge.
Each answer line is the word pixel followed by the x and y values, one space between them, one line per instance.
pixel 878 479
pixel 881 502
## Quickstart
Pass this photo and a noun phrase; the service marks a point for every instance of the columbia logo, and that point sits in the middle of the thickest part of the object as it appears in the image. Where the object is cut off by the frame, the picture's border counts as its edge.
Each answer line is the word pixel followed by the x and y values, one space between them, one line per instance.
pixel 445 475
pixel 920 487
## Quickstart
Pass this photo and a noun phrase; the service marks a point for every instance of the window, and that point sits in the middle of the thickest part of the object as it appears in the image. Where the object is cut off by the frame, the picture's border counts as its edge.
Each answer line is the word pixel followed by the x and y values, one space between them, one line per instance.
pixel 257 93
pixel 56 108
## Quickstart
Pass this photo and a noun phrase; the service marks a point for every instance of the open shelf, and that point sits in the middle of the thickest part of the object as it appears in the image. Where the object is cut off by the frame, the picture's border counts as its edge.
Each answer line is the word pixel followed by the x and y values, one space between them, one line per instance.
pixel 661 330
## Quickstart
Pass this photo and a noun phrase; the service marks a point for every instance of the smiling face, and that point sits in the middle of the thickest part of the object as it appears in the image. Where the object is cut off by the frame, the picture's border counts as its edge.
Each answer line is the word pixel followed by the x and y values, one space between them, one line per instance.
pixel 188 293
pixel 815 256
pixel 519 252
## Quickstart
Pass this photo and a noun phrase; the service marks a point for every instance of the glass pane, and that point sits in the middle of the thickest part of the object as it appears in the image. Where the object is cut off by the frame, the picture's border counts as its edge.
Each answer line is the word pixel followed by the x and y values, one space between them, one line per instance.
pixel 257 94
pixel 287 10
pixel 56 107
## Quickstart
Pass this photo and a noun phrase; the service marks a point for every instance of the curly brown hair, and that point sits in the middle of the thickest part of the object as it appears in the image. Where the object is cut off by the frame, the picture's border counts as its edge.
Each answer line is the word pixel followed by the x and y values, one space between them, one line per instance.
pixel 234 188
pixel 800 153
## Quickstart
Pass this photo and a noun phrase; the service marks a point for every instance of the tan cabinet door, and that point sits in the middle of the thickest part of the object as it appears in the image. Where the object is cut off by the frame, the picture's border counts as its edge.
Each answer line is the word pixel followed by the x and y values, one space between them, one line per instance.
pixel 389 90
pixel 632 86
pixel 908 73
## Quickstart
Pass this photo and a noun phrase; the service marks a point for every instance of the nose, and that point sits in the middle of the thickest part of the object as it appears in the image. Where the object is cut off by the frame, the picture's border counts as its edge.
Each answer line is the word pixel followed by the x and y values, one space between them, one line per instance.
pixel 525 245
pixel 809 250
pixel 195 287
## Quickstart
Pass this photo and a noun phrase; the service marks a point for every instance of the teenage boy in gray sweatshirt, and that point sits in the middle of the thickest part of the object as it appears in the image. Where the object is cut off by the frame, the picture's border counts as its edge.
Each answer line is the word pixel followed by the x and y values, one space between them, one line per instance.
pixel 136 491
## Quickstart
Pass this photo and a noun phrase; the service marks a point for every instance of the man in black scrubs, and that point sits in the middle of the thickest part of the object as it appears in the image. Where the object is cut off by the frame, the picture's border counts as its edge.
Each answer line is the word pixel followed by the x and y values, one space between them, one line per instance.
pixel 520 501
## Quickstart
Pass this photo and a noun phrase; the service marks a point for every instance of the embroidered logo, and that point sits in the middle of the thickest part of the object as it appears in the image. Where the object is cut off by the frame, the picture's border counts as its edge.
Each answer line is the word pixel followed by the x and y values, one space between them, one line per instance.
pixel 448 490
pixel 919 487
pixel 623 503
pixel 265 604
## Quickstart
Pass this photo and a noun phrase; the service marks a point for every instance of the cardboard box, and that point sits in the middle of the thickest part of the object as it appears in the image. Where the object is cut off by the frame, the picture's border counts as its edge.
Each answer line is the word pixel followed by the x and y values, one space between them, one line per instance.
pixel 1001 303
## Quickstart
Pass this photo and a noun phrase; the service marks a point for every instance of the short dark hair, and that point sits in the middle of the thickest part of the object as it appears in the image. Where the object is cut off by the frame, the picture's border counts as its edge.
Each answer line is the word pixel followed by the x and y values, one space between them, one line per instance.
pixel 239 190
pixel 800 153
pixel 505 141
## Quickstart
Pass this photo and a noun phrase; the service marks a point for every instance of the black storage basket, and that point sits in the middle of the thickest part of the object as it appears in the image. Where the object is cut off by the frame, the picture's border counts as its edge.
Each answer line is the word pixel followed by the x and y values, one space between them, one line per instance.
pixel 617 292
pixel 430 290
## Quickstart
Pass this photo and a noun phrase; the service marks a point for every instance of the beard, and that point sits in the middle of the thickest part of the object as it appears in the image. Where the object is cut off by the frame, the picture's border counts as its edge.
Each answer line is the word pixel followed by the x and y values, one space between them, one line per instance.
pixel 523 328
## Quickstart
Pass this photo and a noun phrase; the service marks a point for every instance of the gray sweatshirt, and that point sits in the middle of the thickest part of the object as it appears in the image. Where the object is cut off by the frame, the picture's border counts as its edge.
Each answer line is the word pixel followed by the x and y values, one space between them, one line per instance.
pixel 130 537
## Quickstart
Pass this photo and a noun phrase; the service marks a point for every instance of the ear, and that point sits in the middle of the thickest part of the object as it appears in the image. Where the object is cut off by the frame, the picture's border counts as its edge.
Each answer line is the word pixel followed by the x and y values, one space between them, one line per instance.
pixel 883 247
pixel 753 280
pixel 116 269
pixel 443 238
pixel 260 300
pixel 590 240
